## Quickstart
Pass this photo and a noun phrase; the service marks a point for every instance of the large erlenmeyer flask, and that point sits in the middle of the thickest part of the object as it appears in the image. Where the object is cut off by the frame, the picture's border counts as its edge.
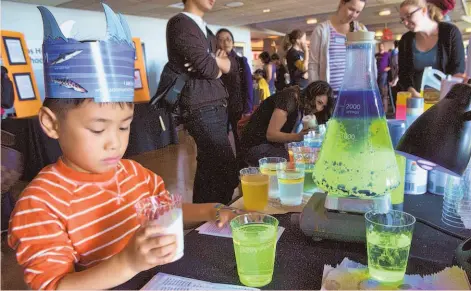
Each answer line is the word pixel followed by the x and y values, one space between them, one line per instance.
pixel 357 157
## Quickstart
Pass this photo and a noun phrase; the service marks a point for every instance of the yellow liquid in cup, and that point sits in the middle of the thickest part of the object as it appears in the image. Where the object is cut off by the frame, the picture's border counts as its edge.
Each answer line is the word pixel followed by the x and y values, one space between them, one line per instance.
pixel 255 192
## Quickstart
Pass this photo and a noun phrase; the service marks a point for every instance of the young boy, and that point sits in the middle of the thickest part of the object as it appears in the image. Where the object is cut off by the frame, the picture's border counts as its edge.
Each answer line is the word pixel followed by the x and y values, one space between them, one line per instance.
pixel 259 76
pixel 75 226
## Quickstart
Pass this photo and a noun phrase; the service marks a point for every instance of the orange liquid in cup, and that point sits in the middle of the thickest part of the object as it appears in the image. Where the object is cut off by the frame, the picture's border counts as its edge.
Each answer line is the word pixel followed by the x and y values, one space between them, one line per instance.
pixel 255 191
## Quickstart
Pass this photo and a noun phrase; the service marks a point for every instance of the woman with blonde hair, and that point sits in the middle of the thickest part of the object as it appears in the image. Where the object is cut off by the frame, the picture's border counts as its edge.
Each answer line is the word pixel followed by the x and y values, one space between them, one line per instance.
pixel 430 42
pixel 327 53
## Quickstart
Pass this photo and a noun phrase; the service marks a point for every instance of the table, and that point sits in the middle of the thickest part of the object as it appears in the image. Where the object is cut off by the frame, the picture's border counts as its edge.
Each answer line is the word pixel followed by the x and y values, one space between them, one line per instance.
pixel 146 134
pixel 300 261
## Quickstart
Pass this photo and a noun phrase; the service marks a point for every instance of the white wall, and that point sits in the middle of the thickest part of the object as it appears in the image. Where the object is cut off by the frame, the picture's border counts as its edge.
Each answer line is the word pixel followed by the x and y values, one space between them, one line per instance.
pixel 25 18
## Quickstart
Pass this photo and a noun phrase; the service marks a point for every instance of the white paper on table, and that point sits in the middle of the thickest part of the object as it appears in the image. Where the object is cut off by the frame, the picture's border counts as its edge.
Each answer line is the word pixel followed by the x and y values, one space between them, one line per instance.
pixel 163 281
pixel 349 275
pixel 210 228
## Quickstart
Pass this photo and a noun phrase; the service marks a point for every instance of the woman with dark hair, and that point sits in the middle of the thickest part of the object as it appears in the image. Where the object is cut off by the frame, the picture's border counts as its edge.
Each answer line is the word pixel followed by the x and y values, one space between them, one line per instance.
pixel 270 70
pixel 274 123
pixel 297 58
pixel 281 73
pixel 238 83
pixel 327 54
pixel 429 43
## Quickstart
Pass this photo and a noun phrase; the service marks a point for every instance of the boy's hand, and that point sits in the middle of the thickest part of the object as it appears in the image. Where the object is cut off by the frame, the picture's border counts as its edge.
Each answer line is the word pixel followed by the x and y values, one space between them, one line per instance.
pixel 223 214
pixel 149 248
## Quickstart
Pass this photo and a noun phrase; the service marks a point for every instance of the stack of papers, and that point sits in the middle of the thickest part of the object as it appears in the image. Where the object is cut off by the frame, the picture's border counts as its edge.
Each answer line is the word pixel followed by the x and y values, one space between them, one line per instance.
pixel 210 228
pixel 163 281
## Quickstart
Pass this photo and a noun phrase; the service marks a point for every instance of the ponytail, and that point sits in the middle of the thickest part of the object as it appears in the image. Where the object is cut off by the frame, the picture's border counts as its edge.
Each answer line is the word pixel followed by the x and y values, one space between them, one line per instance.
pixel 434 12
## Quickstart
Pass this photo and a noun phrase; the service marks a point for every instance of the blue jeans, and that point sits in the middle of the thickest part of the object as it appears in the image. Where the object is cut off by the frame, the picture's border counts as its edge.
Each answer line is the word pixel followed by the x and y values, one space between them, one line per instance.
pixel 216 169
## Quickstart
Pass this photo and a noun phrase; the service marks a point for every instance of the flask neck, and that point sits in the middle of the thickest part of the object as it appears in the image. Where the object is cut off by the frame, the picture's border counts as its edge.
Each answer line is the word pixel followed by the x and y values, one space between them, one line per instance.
pixel 360 70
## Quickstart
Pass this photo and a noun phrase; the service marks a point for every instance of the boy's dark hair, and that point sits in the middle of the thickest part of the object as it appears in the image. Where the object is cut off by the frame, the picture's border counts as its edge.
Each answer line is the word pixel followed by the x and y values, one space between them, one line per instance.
pixel 264 57
pixel 260 72
pixel 275 57
pixel 60 106
pixel 396 44
pixel 224 30
pixel 184 1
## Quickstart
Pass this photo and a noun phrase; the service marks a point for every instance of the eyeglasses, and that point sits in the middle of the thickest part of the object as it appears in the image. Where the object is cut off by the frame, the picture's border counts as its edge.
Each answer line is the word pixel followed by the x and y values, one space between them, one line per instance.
pixel 408 16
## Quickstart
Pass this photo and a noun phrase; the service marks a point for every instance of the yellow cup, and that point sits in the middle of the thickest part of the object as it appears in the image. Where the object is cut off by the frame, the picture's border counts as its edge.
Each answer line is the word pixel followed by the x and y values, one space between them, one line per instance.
pixel 254 189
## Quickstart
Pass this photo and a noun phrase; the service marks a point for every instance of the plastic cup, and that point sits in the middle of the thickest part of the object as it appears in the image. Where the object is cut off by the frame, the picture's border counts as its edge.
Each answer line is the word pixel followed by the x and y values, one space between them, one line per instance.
pixel 255 237
pixel 254 188
pixel 308 156
pixel 292 146
pixel 291 183
pixel 166 212
pixel 388 237
pixel 268 167
pixel 457 201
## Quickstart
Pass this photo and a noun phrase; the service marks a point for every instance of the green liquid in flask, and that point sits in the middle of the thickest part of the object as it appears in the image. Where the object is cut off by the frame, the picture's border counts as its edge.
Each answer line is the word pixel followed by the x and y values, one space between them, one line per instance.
pixel 357 157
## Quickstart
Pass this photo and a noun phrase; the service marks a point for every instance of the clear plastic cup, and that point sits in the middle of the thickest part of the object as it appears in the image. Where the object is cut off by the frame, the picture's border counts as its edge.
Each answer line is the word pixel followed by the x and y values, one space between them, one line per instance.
pixel 255 238
pixel 268 167
pixel 166 211
pixel 388 237
pixel 291 183
pixel 457 201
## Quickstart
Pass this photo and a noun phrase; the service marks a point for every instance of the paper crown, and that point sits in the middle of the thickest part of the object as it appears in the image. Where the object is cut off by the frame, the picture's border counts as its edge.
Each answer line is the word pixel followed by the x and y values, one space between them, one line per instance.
pixel 102 70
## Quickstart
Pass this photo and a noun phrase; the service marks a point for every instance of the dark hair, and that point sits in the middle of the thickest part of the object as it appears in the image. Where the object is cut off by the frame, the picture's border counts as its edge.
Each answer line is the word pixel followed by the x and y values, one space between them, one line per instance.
pixel 225 30
pixel 346 1
pixel 396 43
pixel 318 88
pixel 275 57
pixel 61 106
pixel 265 57
pixel 294 35
pixel 184 1
pixel 260 72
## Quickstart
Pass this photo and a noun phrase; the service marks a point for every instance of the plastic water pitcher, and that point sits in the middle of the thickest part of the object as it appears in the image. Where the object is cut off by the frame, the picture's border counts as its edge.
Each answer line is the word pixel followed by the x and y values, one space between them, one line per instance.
pixel 431 78
pixel 357 159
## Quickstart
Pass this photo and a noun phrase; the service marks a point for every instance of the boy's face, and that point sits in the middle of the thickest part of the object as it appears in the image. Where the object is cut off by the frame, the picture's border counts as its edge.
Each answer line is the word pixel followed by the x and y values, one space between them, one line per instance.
pixel 93 137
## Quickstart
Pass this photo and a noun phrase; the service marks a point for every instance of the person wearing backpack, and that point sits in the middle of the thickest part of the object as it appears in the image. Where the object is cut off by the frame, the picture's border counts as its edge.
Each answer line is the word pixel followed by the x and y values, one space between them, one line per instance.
pixel 238 82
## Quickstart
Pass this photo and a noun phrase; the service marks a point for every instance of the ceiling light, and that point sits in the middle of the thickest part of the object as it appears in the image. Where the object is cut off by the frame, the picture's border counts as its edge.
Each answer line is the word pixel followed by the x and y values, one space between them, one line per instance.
pixel 385 12
pixel 311 21
pixel 235 4
pixel 266 10
pixel 379 33
pixel 178 5
pixel 467 30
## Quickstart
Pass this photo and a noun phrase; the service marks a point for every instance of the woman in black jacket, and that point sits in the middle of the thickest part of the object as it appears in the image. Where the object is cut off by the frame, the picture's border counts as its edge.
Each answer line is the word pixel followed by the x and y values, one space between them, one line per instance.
pixel 238 82
pixel 429 42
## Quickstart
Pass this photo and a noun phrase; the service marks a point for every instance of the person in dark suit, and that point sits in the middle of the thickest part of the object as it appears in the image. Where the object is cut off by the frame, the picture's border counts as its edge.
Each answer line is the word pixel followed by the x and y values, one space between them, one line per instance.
pixel 191 49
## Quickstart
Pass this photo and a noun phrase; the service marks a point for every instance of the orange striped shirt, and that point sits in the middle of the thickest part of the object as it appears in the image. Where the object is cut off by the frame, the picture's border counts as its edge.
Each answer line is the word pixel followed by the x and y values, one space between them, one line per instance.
pixel 66 220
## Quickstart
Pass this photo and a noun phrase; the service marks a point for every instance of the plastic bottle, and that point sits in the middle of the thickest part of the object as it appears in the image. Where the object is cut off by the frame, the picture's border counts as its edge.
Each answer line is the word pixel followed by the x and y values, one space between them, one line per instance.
pixel 397 128
pixel 416 178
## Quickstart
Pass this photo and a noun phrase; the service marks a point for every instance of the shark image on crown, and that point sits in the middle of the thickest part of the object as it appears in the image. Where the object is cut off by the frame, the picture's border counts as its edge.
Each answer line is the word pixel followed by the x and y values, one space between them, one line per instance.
pixel 104 69
pixel 65 57
pixel 69 84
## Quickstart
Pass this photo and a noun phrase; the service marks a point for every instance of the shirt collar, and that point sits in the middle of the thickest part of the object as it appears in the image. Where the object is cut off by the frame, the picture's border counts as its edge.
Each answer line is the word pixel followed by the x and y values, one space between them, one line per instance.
pixel 199 20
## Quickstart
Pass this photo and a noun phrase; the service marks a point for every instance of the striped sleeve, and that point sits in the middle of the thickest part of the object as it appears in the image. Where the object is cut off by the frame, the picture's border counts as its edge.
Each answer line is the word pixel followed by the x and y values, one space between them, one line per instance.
pixel 155 182
pixel 38 235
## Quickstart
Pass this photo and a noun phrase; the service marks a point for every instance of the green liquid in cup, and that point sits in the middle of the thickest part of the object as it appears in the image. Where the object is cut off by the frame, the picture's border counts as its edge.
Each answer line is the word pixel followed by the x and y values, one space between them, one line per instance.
pixel 309 184
pixel 387 255
pixel 255 246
